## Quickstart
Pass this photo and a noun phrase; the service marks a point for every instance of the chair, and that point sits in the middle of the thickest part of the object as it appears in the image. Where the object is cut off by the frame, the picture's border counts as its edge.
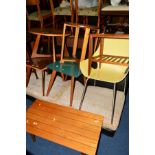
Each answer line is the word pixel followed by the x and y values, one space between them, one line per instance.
pixel 109 62
pixel 37 14
pixel 77 52
pixel 116 18
pixel 85 11
pixel 60 10
pixel 37 62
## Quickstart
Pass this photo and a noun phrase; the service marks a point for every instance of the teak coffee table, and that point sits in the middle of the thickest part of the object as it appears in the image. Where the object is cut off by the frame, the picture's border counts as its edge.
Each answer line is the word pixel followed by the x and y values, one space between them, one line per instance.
pixel 63 125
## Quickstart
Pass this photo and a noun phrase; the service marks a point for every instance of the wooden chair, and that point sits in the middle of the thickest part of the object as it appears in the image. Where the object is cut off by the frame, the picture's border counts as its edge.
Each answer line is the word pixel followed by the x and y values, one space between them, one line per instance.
pixel 109 63
pixel 70 65
pixel 37 62
pixel 86 12
pixel 57 10
pixel 38 14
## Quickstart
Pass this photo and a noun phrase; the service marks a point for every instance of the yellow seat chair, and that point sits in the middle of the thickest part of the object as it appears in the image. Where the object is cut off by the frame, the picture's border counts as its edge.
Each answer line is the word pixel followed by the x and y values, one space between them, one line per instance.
pixel 109 63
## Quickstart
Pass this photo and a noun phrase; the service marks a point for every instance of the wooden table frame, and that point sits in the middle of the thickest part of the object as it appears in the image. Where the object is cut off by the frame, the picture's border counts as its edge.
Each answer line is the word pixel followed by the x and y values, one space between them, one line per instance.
pixel 63 125
pixel 48 32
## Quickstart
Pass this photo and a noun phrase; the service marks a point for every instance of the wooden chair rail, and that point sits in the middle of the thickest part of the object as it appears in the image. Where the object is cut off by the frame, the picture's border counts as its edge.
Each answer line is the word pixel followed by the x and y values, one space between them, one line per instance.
pixel 111 59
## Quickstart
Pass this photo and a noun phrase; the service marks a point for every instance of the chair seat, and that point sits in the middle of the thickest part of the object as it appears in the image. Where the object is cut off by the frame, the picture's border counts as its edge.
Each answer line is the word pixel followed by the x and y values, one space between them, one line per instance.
pixel 68 68
pixel 62 11
pixel 34 15
pixel 93 11
pixel 39 63
pixel 108 72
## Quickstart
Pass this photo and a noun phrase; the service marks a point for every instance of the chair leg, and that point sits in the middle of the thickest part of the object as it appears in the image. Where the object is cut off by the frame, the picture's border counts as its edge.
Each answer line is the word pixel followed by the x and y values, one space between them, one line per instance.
pixel 29 25
pixel 41 23
pixel 36 74
pixel 54 26
pixel 51 82
pixel 33 137
pixel 113 103
pixel 83 94
pixel 84 80
pixel 43 82
pixel 63 77
pixel 72 90
pixel 124 85
pixel 28 74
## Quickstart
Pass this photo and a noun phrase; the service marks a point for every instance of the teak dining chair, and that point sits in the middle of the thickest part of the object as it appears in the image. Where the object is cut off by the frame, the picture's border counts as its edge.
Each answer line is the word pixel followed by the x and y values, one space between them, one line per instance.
pixel 85 12
pixel 58 10
pixel 37 62
pixel 70 65
pixel 38 14
pixel 109 63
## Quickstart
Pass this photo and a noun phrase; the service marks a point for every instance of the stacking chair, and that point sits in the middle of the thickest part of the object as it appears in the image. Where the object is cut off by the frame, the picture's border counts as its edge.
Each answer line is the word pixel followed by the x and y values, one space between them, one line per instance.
pixel 57 10
pixel 109 62
pixel 37 14
pixel 70 65
pixel 86 12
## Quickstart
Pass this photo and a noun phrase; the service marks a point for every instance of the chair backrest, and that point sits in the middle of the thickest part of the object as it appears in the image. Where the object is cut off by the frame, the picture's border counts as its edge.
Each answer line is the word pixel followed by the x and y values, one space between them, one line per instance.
pixel 112 49
pixel 33 3
pixel 98 11
pixel 78 39
pixel 55 4
pixel 113 44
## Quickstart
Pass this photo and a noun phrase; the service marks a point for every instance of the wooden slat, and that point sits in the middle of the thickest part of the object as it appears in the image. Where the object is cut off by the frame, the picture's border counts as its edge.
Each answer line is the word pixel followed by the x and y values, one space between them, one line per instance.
pixel 68 126
pixel 68 121
pixel 111 59
pixel 66 114
pixel 61 132
pixel 68 109
pixel 75 41
pixel 61 140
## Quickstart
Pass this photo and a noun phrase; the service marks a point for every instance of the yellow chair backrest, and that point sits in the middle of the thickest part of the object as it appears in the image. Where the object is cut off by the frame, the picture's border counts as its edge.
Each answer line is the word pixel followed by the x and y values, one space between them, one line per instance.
pixel 116 47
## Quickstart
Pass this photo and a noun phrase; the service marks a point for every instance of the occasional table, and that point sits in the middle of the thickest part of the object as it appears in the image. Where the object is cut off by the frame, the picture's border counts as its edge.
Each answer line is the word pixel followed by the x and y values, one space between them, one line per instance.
pixel 63 125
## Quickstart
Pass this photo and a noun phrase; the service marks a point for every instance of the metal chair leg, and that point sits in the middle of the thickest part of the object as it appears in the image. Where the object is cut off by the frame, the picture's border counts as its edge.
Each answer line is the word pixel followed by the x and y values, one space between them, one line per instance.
pixel 83 94
pixel 113 103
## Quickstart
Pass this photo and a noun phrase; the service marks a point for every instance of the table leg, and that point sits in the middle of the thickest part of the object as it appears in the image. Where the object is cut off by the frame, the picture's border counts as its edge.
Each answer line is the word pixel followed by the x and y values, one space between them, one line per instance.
pixel 33 137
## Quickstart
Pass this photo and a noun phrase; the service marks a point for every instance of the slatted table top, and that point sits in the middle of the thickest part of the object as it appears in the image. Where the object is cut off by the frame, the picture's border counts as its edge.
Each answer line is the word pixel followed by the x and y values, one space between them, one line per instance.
pixel 66 126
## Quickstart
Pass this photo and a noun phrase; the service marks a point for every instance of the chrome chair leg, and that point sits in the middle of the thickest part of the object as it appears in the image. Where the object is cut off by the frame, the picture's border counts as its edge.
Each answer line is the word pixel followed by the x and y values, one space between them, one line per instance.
pixel 113 102
pixel 83 94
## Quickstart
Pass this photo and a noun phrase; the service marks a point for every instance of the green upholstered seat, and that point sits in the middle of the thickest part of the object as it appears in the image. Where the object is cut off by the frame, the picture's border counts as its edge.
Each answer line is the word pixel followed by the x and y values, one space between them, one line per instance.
pixel 68 68
pixel 34 15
